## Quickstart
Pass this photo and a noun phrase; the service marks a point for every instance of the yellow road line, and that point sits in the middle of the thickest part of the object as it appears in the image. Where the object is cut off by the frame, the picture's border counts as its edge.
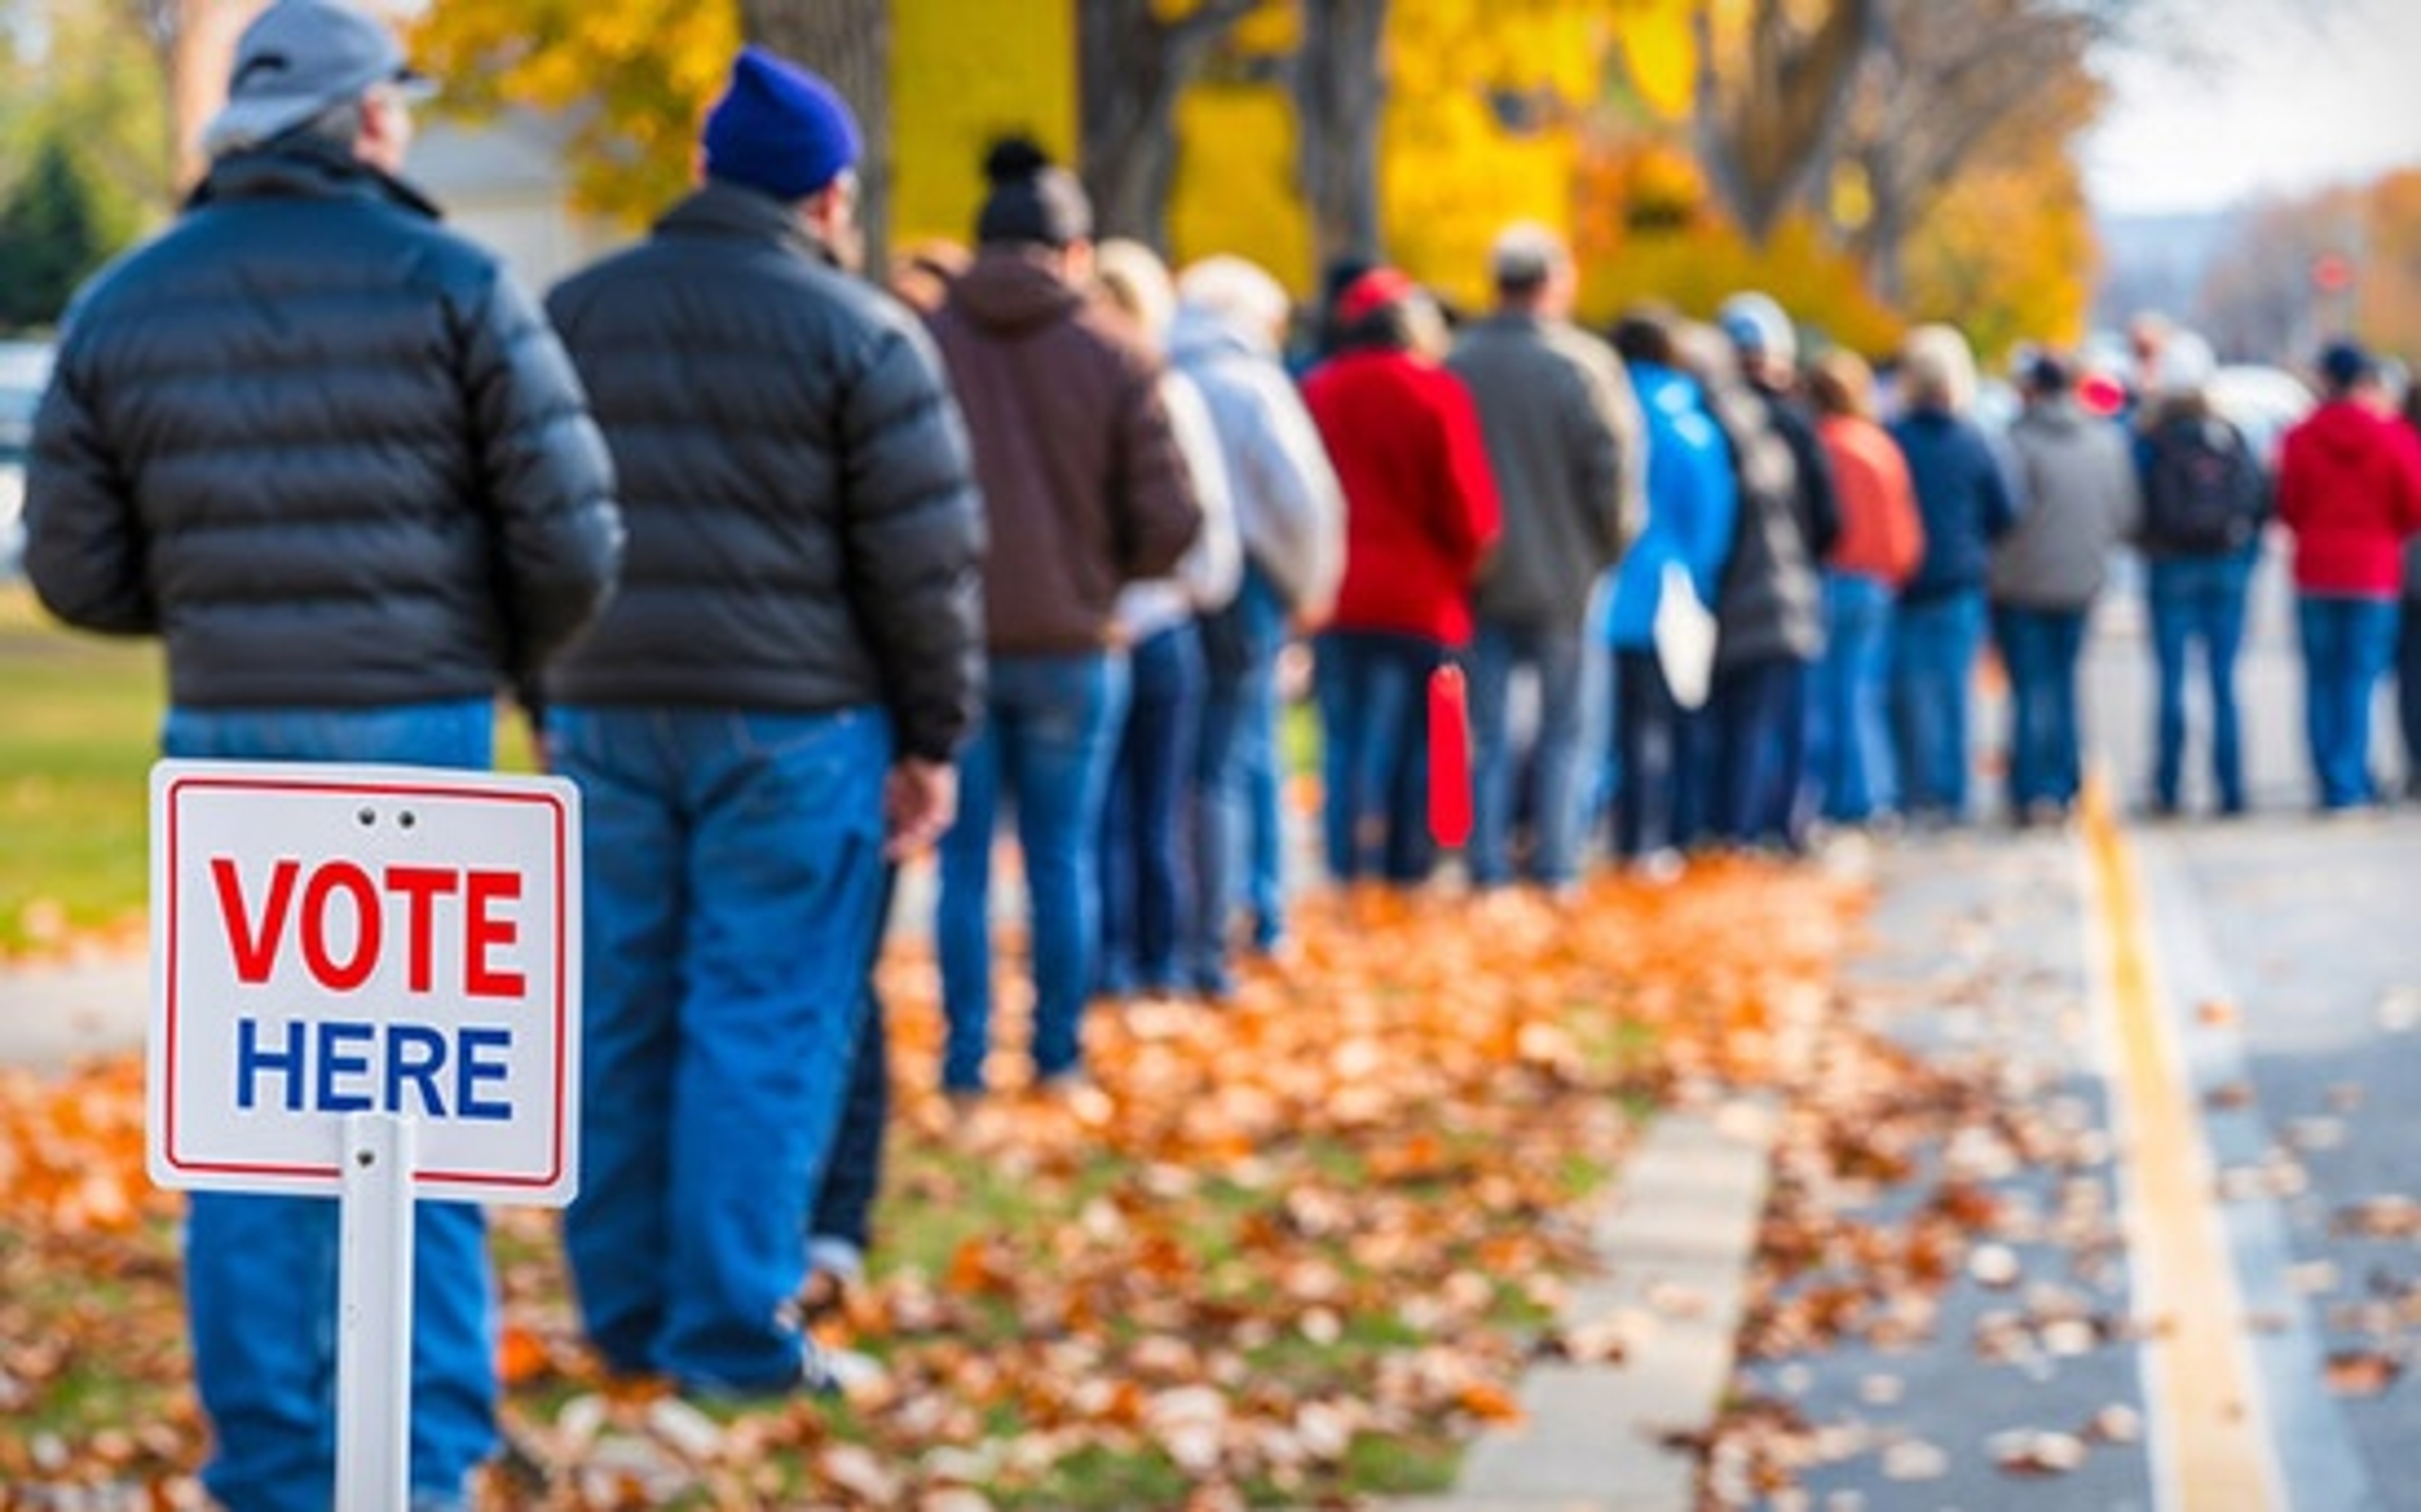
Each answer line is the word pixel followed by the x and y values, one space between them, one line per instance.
pixel 2204 1409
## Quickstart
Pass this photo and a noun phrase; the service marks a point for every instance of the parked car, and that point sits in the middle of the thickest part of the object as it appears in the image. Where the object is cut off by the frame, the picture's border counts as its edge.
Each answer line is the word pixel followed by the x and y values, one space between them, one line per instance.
pixel 24 370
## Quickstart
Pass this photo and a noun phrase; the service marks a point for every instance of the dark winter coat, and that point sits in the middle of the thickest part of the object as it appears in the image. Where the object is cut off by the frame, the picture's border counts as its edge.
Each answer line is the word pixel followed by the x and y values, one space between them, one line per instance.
pixel 325 448
pixel 1084 490
pixel 805 529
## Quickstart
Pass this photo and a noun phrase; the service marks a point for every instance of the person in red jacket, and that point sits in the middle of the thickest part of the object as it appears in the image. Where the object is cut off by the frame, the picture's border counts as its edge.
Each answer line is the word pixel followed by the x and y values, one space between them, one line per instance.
pixel 1420 514
pixel 2350 490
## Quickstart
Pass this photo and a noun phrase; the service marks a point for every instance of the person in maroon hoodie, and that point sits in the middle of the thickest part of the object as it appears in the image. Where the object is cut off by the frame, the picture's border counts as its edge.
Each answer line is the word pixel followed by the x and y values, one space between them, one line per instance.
pixel 1420 514
pixel 2350 490
pixel 1085 491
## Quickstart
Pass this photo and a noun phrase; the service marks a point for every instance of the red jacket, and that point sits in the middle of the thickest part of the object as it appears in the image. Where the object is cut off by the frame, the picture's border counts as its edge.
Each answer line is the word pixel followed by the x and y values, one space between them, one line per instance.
pixel 1881 534
pixel 1420 503
pixel 2350 488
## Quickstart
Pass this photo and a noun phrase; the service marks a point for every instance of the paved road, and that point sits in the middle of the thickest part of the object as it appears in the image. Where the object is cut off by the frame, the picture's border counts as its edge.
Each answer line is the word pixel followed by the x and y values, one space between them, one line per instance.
pixel 2210 1034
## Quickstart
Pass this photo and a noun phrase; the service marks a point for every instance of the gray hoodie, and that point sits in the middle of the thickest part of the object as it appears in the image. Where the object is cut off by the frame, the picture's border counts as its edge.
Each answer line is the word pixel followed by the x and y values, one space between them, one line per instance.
pixel 2079 499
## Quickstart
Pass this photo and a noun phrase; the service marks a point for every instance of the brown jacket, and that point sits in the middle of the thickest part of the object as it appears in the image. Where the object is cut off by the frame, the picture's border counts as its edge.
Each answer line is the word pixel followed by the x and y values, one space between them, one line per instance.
pixel 1084 486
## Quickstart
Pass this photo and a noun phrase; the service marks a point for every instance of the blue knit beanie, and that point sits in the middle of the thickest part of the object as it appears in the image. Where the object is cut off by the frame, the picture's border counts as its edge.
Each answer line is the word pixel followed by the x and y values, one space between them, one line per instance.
pixel 779 128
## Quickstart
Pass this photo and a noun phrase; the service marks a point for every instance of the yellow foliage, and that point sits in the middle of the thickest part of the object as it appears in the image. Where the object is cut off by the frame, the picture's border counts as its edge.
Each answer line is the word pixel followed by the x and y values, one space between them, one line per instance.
pixel 962 78
pixel 1660 57
pixel 2389 285
pixel 2009 256
pixel 1694 268
pixel 648 69
pixel 1237 189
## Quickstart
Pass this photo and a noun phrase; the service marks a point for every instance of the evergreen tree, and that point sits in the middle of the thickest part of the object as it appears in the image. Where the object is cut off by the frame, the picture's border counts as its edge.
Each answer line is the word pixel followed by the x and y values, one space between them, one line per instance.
pixel 51 238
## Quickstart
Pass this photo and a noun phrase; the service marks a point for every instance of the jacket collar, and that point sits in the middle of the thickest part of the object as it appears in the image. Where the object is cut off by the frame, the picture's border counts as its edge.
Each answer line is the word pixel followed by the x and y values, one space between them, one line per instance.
pixel 302 168
pixel 716 209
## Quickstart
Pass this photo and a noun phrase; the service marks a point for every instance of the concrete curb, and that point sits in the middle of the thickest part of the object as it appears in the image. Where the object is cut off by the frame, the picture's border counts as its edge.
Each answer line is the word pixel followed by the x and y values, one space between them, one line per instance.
pixel 1675 1243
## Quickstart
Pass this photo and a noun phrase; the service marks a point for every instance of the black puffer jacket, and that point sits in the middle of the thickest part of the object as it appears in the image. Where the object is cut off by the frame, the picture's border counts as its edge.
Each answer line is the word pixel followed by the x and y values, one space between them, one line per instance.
pixel 805 530
pixel 321 445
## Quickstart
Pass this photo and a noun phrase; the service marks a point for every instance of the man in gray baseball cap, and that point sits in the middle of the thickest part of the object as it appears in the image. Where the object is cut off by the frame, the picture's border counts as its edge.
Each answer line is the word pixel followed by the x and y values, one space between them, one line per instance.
pixel 301 59
pixel 331 455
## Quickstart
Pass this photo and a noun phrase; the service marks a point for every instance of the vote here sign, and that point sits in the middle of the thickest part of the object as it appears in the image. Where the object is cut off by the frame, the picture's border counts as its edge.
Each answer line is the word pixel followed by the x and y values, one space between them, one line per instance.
pixel 333 940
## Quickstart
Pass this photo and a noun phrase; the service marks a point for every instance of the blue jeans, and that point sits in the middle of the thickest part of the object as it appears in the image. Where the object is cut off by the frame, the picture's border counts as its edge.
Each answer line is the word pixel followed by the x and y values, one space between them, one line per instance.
pixel 1849 735
pixel 1661 760
pixel 1933 649
pixel 1758 711
pixel 733 865
pixel 1147 851
pixel 2348 644
pixel 1046 739
pixel 1553 768
pixel 1238 833
pixel 2408 691
pixel 842 1202
pixel 2039 650
pixel 261 1271
pixel 1373 692
pixel 2197 602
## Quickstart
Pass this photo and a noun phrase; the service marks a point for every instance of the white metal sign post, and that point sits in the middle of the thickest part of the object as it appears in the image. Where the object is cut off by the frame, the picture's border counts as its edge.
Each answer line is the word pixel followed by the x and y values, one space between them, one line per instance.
pixel 366 985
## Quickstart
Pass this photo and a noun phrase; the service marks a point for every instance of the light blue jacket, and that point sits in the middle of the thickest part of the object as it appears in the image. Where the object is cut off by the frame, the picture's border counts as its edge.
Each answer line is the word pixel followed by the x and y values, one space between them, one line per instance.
pixel 1692 503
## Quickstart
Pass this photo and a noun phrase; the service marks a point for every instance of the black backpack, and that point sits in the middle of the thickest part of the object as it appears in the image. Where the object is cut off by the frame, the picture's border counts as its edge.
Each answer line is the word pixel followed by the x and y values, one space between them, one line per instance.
pixel 2204 494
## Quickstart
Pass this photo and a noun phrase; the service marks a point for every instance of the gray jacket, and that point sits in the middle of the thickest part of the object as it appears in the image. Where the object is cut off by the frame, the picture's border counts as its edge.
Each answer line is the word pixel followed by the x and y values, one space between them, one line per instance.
pixel 1567 446
pixel 1289 509
pixel 2079 499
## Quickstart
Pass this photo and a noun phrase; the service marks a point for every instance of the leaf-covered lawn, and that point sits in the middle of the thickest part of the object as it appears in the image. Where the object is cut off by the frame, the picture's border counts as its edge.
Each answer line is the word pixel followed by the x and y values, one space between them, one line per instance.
pixel 1288 1253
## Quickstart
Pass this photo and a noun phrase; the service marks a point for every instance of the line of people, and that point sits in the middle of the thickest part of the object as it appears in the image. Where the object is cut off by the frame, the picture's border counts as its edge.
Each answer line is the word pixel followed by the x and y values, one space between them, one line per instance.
pixel 799 581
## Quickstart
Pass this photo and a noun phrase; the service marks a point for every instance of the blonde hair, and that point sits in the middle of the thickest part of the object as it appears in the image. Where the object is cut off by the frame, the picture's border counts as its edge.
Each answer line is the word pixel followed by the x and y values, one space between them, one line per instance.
pixel 1938 369
pixel 1839 382
pixel 1131 276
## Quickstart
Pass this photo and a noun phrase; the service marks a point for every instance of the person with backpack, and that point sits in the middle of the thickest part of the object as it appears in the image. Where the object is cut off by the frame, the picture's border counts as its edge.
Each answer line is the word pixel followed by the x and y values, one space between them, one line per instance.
pixel 2204 501
pixel 2349 491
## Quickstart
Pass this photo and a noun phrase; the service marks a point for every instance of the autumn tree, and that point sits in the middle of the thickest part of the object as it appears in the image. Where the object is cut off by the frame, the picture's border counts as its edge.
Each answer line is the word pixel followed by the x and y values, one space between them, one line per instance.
pixel 1133 62
pixel 1340 87
pixel 1955 86
pixel 1772 91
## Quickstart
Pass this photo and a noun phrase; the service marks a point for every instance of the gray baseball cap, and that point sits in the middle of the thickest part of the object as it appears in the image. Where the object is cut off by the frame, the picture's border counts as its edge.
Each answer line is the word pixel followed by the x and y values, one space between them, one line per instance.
pixel 300 57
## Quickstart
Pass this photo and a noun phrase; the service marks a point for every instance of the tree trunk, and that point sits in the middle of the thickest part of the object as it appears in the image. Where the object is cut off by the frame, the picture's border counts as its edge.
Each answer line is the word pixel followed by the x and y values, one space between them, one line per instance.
pixel 1131 67
pixel 848 41
pixel 1339 92
pixel 1761 131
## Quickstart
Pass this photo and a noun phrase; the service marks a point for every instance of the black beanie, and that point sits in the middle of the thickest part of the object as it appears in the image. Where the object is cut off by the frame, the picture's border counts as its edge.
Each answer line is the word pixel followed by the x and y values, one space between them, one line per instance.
pixel 1032 200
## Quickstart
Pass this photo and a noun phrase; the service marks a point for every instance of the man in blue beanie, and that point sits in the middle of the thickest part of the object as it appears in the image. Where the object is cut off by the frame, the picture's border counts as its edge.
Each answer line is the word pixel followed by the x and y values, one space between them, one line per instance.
pixel 772 707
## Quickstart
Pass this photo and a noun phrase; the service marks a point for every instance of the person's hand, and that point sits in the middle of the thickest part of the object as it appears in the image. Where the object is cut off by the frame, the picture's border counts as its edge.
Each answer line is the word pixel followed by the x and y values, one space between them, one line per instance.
pixel 919 800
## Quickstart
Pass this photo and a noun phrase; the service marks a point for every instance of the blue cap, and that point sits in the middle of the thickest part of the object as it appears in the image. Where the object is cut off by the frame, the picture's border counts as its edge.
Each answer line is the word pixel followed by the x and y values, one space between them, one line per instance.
pixel 779 128
pixel 1756 323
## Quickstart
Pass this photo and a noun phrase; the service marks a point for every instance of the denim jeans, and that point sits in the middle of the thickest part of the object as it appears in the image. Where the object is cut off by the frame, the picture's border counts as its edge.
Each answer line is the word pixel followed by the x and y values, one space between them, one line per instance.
pixel 1553 657
pixel 733 865
pixel 1934 643
pixel 2040 649
pixel 2348 644
pixel 1661 760
pixel 841 1207
pixel 1849 735
pixel 1758 711
pixel 2408 691
pixel 1147 871
pixel 1373 692
pixel 1238 838
pixel 1046 740
pixel 2197 602
pixel 261 1271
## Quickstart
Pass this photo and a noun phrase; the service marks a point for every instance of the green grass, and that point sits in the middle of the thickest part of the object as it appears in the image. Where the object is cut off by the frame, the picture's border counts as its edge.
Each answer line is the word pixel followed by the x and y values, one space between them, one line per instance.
pixel 79 732
pixel 76 745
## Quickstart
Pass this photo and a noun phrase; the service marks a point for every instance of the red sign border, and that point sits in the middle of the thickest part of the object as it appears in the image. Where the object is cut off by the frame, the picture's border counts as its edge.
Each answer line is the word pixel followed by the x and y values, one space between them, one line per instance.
pixel 327 1172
